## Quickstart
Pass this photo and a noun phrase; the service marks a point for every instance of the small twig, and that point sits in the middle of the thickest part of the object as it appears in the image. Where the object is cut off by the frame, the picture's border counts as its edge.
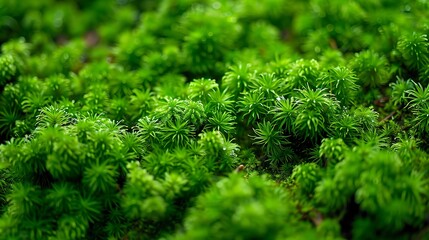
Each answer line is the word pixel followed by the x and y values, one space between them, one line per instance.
pixel 318 219
pixel 388 116
pixel 240 168
pixel 333 44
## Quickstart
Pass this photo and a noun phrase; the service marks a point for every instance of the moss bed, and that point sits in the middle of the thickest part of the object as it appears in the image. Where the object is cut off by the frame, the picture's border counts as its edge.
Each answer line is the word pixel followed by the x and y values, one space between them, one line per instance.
pixel 214 119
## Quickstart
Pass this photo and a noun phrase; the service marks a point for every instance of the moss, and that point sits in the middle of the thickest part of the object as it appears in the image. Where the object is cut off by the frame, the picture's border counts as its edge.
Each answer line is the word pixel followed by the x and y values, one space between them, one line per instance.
pixel 226 119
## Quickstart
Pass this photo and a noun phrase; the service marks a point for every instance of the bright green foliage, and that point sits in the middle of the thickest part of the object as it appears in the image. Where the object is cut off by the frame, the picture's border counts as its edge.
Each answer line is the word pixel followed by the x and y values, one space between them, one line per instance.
pixel 303 73
pixel 237 78
pixel 271 139
pixel 218 152
pixel 244 209
pixel 253 106
pixel 371 68
pixel 345 127
pixel 270 86
pixel 8 69
pixel 342 83
pixel 420 107
pixel 329 229
pixel 149 129
pixel 176 133
pixel 194 113
pixel 332 151
pixel 314 108
pixel 205 43
pixel 55 153
pixel 143 195
pixel 284 113
pixel 222 122
pixel 200 89
pixel 414 48
pixel 219 102
pixel 400 90
pixel 13 56
pixel 306 176
pixel 379 183
pixel 214 119
pixel 99 177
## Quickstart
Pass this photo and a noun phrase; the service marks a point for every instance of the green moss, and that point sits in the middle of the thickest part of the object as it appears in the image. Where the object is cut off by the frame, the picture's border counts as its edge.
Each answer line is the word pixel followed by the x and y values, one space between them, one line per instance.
pixel 226 119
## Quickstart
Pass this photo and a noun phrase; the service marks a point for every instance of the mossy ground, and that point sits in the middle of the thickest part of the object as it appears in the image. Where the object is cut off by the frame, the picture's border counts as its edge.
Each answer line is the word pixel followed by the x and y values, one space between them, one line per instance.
pixel 205 119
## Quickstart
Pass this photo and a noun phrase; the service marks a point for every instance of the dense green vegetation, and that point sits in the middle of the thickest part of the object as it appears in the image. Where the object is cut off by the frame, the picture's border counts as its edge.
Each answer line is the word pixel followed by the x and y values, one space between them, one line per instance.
pixel 214 119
